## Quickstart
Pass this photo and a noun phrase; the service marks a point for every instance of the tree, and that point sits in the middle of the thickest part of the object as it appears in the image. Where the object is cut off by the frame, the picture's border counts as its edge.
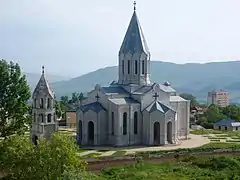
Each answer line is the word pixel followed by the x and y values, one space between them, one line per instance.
pixel 191 98
pixel 214 114
pixel 58 109
pixel 48 160
pixel 75 96
pixel 64 100
pixel 232 112
pixel 14 95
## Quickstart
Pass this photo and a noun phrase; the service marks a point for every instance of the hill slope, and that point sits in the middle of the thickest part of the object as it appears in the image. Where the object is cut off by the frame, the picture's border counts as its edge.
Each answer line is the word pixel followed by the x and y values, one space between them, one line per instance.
pixel 194 78
pixel 33 78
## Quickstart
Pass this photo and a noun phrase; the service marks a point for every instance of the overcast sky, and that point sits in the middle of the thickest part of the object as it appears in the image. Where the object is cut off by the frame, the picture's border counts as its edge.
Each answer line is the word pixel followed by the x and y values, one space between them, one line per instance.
pixel 74 37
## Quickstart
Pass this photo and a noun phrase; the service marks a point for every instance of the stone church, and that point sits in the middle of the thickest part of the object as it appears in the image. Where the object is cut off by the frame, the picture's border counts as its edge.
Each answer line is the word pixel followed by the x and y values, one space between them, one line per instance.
pixel 133 110
pixel 44 118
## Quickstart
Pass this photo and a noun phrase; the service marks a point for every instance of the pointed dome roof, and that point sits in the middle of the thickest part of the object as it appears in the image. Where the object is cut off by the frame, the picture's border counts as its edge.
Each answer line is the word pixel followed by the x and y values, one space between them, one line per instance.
pixel 158 106
pixel 134 41
pixel 43 86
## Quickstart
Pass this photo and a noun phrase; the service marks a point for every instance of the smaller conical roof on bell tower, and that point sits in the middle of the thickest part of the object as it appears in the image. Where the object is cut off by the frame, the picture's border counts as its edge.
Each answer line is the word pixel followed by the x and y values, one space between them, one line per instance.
pixel 134 40
pixel 43 86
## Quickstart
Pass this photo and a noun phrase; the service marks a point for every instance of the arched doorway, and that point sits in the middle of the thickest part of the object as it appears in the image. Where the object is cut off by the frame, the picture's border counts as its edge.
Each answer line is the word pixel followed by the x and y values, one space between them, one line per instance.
pixel 169 132
pixel 156 131
pixel 90 132
pixel 80 132
pixel 35 140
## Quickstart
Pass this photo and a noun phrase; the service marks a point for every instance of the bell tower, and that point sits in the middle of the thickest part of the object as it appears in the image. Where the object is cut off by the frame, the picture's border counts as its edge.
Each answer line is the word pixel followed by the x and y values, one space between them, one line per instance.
pixel 134 55
pixel 44 119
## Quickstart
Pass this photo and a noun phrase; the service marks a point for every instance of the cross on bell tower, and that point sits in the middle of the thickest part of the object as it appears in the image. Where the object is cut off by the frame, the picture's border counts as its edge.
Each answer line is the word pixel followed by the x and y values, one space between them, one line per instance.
pixel 134 5
pixel 42 69
pixel 156 96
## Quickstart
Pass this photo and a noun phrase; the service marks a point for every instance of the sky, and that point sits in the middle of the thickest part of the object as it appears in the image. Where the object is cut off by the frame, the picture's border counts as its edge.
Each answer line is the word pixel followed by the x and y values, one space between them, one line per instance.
pixel 74 37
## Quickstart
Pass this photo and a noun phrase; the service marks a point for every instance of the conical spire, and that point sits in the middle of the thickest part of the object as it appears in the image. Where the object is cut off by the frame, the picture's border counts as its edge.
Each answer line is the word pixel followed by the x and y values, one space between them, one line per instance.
pixel 43 86
pixel 134 41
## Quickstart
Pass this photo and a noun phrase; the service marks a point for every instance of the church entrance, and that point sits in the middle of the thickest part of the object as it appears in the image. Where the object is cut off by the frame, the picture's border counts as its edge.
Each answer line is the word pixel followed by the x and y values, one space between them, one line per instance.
pixel 156 133
pixel 34 140
pixel 169 132
pixel 90 133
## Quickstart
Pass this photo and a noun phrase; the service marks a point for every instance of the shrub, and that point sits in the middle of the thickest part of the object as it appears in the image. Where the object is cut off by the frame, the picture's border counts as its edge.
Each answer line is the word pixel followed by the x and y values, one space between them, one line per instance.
pixel 48 160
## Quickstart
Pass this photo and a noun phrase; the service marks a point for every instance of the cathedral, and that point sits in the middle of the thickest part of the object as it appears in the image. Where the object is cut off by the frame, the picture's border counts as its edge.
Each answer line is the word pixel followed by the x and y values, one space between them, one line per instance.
pixel 133 110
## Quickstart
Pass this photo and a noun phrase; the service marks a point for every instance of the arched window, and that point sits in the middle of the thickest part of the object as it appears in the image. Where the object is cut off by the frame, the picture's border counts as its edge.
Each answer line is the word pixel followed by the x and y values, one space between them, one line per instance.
pixel 35 103
pixel 49 118
pixel 135 123
pixel 41 118
pixel 34 117
pixel 48 103
pixel 124 123
pixel 143 68
pixel 112 123
pixel 41 103
pixel 128 66
pixel 123 66
pixel 136 66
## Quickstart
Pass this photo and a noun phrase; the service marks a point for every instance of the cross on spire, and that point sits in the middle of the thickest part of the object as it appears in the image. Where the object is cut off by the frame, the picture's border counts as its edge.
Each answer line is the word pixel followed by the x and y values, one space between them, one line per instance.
pixel 97 97
pixel 42 69
pixel 155 96
pixel 134 5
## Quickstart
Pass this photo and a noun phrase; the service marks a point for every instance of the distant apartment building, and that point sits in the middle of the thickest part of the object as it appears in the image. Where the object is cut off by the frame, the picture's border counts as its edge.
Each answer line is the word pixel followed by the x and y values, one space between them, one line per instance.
pixel 219 98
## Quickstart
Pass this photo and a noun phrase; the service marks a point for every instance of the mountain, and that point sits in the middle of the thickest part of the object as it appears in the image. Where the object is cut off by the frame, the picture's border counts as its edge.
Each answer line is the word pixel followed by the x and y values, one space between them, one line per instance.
pixel 33 78
pixel 193 78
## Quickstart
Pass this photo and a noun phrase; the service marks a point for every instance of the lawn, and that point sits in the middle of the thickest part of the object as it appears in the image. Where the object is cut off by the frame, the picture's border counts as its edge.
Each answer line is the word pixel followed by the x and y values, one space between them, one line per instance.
pixel 207 147
pixel 207 132
pixel 192 167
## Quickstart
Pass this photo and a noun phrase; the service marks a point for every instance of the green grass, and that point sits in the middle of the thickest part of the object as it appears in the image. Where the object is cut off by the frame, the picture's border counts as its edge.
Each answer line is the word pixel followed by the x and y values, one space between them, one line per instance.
pixel 92 155
pixel 192 167
pixel 222 135
pixel 206 131
pixel 119 153
pixel 207 147
pixel 234 137
pixel 103 150
pixel 215 140
pixel 236 141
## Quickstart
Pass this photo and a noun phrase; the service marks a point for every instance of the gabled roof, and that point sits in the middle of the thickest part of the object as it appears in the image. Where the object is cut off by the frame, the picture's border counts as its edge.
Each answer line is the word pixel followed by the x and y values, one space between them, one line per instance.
pixel 166 88
pixel 159 106
pixel 134 41
pixel 143 90
pixel 95 106
pixel 228 122
pixel 114 90
pixel 123 101
pixel 177 99
pixel 43 85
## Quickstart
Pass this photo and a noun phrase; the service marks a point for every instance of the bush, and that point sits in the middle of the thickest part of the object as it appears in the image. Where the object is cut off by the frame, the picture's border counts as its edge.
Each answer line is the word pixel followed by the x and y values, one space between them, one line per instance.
pixel 48 160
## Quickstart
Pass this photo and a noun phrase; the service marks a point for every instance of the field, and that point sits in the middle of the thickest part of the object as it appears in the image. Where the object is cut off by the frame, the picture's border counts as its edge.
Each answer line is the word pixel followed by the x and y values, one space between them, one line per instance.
pixel 191 167
pixel 219 136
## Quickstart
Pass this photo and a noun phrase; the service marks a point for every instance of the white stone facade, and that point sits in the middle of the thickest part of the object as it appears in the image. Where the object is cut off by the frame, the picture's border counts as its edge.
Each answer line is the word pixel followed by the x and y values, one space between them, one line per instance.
pixel 133 111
